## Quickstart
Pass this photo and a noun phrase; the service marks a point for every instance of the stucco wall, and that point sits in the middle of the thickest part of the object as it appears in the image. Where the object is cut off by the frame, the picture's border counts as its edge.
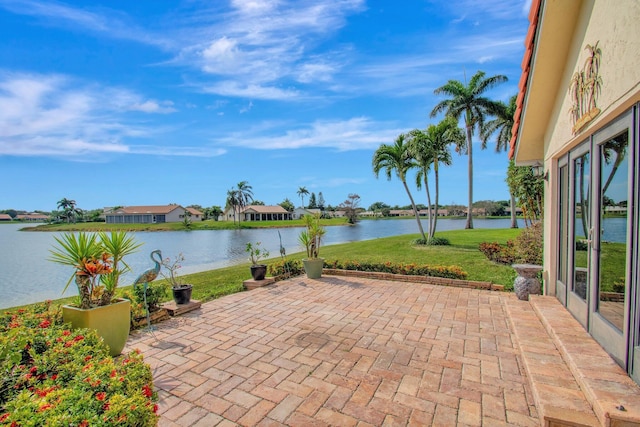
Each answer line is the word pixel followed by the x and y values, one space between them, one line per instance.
pixel 615 24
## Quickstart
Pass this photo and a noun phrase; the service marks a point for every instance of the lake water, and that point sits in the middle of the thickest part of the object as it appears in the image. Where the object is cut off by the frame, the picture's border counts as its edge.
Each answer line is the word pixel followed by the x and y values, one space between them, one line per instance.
pixel 26 275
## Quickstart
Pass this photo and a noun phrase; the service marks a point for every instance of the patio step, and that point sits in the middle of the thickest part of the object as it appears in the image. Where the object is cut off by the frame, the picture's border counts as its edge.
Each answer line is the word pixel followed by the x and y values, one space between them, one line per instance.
pixel 613 395
pixel 557 395
pixel 574 381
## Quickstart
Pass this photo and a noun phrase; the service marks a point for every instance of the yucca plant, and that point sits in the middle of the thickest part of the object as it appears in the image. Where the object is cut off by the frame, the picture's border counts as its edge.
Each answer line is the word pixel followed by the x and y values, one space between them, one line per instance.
pixel 311 237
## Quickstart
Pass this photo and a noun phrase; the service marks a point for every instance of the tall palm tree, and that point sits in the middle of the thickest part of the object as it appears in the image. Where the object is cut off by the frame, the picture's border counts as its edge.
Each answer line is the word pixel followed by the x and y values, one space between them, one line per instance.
pixel 431 148
pixel 422 153
pixel 467 100
pixel 244 196
pixel 232 202
pixel 397 157
pixel 69 208
pixel 302 191
pixel 501 126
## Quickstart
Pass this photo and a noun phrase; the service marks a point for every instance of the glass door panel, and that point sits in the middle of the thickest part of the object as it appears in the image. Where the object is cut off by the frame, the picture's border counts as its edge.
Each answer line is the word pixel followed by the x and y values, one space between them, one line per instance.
pixel 612 245
pixel 581 225
pixel 562 266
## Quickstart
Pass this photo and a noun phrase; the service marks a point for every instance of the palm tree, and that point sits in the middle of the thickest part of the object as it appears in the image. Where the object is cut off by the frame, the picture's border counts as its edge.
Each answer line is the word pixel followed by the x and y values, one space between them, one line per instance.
pixel 302 191
pixel 232 202
pixel 502 124
pixel 397 157
pixel 432 148
pixel 467 100
pixel 69 208
pixel 244 196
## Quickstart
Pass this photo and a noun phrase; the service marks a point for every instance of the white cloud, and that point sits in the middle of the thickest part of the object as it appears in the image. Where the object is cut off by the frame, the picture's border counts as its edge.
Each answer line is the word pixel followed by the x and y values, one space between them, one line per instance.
pixel 354 134
pixel 247 108
pixel 101 21
pixel 152 106
pixel 236 89
pixel 54 115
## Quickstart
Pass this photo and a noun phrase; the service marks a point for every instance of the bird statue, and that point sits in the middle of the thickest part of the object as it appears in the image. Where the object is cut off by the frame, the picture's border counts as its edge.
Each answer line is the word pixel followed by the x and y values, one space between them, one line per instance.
pixel 149 276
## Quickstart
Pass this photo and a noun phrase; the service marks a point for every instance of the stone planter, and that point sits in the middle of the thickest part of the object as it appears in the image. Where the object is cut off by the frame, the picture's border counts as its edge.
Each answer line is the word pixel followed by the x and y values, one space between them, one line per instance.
pixel 527 282
pixel 313 267
pixel 111 322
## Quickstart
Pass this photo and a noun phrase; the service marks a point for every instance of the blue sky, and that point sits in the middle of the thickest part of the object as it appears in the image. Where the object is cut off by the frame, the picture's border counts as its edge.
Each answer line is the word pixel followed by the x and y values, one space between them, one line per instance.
pixel 156 102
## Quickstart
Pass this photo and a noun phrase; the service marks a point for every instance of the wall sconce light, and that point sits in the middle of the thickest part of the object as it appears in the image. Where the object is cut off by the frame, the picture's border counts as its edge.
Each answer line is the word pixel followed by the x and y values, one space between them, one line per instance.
pixel 538 170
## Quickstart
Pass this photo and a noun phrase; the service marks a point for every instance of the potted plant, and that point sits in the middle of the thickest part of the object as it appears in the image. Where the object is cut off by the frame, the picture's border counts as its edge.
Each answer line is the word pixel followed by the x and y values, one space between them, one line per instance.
pixel 310 238
pixel 181 291
pixel 258 271
pixel 98 263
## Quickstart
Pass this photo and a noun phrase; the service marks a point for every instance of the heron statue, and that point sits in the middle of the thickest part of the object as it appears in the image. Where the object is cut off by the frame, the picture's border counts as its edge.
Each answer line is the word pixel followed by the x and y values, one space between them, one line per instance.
pixel 149 276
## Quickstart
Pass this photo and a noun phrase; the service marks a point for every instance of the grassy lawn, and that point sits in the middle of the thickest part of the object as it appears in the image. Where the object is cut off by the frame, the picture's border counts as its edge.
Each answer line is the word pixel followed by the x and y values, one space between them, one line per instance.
pixel 462 252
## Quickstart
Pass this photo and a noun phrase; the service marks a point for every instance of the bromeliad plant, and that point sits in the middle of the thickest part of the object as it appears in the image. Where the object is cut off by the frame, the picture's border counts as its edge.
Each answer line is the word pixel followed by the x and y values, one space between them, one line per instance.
pixel 98 260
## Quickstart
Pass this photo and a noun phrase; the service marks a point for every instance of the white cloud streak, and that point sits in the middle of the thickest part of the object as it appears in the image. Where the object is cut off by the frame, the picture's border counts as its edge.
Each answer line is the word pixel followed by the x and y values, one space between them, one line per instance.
pixel 54 115
pixel 358 133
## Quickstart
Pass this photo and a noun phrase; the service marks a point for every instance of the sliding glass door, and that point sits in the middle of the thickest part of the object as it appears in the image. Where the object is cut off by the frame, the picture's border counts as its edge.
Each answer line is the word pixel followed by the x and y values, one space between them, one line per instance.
pixel 597 263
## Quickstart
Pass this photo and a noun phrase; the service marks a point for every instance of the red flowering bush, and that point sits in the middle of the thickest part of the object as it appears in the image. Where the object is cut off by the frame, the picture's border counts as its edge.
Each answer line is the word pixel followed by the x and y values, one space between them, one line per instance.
pixel 52 376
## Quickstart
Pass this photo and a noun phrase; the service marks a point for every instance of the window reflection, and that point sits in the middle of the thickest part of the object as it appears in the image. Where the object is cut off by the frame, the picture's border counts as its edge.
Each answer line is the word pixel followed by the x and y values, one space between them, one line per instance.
pixel 614 187
pixel 581 226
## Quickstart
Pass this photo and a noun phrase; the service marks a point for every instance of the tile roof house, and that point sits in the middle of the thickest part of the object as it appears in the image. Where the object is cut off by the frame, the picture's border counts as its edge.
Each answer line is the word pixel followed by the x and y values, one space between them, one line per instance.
pixel 144 214
pixel 196 215
pixel 257 213
pixel 5 217
pixel 35 217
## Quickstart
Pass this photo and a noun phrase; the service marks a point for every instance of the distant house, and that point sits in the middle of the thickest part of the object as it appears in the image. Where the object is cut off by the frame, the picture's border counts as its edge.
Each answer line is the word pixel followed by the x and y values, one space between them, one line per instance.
pixel 401 212
pixel 300 212
pixel 257 213
pixel 337 214
pixel 145 214
pixel 34 217
pixel 5 217
pixel 196 215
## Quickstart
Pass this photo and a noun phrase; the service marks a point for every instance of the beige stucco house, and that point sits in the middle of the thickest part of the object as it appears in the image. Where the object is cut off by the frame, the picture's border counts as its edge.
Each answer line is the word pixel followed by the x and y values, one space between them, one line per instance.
pixel 256 213
pixel 578 117
pixel 145 214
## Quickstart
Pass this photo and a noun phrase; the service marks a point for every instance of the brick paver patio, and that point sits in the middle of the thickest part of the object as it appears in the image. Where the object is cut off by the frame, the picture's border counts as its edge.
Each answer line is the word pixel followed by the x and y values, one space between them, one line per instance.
pixel 343 352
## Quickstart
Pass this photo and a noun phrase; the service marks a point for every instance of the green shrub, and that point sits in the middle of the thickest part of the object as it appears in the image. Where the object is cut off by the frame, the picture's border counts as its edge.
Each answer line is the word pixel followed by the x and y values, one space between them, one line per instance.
pixel 526 248
pixel 436 241
pixel 439 241
pixel 285 268
pixel 156 292
pixel 52 376
pixel 450 272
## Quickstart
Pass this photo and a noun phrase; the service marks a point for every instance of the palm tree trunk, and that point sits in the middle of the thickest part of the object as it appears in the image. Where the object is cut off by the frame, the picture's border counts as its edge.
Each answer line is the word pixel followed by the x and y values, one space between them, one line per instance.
pixel 469 223
pixel 415 210
pixel 432 231
pixel 426 186
pixel 514 221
